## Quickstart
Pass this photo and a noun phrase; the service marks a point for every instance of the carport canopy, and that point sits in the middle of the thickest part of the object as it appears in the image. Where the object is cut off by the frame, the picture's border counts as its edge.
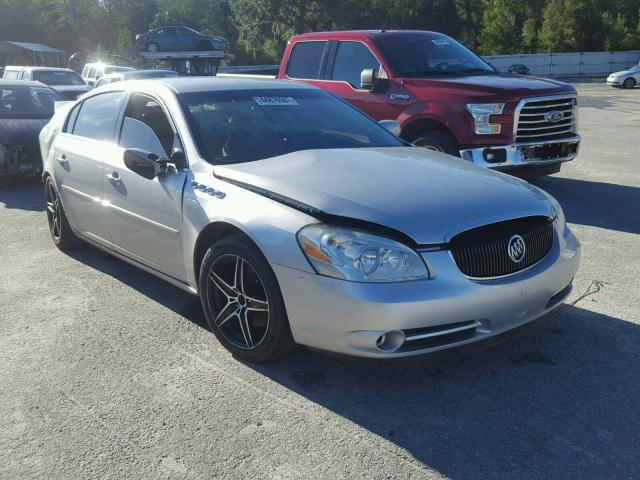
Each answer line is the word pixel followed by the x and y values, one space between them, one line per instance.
pixel 35 54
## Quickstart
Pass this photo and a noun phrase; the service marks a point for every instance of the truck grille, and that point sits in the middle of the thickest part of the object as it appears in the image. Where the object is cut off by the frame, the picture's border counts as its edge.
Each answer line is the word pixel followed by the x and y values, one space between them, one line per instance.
pixel 483 252
pixel 545 119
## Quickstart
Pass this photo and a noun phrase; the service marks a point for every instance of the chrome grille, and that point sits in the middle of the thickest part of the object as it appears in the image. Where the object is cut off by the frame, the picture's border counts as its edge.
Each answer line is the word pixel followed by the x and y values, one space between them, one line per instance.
pixel 483 252
pixel 533 122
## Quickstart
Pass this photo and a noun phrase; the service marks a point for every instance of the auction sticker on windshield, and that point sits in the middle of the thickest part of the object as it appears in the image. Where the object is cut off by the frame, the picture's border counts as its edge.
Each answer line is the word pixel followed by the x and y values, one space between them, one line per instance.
pixel 275 101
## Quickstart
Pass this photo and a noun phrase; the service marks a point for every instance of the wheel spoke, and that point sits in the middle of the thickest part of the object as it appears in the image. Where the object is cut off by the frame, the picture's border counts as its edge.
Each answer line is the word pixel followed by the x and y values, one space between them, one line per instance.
pixel 246 330
pixel 50 207
pixel 226 289
pixel 228 312
pixel 255 305
pixel 238 276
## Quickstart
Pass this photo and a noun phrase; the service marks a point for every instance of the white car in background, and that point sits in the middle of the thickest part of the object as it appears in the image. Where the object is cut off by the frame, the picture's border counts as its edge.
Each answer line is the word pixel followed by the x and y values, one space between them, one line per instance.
pixel 626 78
pixel 64 80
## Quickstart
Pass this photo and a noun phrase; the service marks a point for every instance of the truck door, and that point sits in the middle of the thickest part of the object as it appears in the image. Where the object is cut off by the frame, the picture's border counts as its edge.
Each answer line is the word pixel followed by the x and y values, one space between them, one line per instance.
pixel 351 58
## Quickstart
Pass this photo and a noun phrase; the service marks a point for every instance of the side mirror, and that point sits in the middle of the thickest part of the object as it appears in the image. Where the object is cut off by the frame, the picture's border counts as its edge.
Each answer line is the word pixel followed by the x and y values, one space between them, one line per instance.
pixel 368 78
pixel 145 164
pixel 178 158
pixel 392 125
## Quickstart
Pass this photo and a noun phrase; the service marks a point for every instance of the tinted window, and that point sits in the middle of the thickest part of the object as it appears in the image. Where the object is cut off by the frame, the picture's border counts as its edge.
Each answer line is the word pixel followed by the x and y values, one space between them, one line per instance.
pixel 351 59
pixel 71 119
pixel 241 126
pixel 306 59
pixel 98 116
pixel 27 102
pixel 429 54
pixel 146 126
pixel 57 77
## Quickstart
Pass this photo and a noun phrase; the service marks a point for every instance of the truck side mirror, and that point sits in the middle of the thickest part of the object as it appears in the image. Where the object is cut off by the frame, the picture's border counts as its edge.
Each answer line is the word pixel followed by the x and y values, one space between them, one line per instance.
pixel 368 78
pixel 370 81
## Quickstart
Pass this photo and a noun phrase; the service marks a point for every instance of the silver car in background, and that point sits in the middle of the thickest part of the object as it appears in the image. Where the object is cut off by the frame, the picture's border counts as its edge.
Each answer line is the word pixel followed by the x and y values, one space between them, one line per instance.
pixel 626 78
pixel 299 220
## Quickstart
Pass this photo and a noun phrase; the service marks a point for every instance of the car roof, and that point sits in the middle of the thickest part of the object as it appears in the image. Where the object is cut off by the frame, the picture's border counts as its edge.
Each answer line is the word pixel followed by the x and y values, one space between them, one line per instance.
pixel 46 69
pixel 359 34
pixel 205 84
pixel 6 82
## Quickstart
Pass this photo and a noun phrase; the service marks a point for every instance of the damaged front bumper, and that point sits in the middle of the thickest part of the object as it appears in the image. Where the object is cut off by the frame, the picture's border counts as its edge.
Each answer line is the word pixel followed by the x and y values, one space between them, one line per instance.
pixel 20 160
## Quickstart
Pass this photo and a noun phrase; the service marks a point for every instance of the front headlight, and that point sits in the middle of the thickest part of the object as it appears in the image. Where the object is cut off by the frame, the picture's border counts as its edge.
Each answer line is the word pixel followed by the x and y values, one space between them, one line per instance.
pixel 358 256
pixel 481 113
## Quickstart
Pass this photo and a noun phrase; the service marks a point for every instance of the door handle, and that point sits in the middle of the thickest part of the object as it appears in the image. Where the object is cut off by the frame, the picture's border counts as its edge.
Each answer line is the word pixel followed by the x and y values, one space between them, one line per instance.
pixel 114 177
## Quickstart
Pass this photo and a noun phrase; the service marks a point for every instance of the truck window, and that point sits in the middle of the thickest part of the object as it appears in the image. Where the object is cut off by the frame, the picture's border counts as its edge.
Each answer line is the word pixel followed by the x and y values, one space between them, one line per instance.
pixel 305 60
pixel 351 59
pixel 11 74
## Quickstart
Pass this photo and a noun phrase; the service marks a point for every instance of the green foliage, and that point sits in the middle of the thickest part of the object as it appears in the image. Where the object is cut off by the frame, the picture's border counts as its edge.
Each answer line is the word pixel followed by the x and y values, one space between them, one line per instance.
pixel 258 30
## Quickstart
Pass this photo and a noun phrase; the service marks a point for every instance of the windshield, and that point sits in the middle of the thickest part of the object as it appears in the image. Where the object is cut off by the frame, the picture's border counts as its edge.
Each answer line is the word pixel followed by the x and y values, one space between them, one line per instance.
pixel 635 69
pixel 425 54
pixel 27 102
pixel 57 77
pixel 243 126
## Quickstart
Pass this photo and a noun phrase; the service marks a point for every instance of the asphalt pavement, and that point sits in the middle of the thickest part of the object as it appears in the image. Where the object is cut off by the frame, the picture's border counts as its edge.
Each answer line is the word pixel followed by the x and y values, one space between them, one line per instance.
pixel 107 372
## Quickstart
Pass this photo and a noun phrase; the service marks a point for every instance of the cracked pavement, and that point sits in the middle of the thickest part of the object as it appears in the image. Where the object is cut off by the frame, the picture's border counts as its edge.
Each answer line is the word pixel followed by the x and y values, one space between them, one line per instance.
pixel 108 372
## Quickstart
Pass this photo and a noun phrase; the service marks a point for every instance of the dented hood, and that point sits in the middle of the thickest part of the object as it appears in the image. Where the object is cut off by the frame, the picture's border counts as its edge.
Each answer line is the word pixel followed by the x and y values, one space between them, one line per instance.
pixel 426 195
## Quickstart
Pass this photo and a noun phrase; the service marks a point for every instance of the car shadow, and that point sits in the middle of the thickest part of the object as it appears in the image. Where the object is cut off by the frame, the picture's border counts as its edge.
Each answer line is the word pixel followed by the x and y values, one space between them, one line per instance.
pixel 23 194
pixel 559 400
pixel 598 204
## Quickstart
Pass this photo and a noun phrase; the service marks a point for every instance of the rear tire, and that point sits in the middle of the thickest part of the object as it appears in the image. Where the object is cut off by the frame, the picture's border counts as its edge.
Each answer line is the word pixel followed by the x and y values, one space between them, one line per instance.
pixel 438 141
pixel 205 46
pixel 629 83
pixel 59 228
pixel 242 301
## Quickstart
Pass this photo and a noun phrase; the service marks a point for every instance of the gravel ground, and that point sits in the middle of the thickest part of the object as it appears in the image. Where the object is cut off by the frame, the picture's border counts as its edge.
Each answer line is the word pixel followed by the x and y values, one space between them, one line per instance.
pixel 108 372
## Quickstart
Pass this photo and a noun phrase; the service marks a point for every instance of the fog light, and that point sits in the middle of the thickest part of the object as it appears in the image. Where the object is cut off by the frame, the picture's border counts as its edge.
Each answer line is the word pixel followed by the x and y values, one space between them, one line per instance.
pixel 494 155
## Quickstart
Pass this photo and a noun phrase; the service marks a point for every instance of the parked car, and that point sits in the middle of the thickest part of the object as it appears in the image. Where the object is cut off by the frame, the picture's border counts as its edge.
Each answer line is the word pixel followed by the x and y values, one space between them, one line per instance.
pixel 64 80
pixel 299 220
pixel 626 79
pixel 178 39
pixel 25 107
pixel 92 72
pixel 1 72
pixel 519 69
pixel 445 97
pixel 135 75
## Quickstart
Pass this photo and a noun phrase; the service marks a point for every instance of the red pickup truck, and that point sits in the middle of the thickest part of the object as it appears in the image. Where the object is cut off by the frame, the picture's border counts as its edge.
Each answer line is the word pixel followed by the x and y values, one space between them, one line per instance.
pixel 444 96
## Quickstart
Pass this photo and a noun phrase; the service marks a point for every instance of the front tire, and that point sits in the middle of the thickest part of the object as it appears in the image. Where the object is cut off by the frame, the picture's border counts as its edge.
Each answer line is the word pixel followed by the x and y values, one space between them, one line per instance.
pixel 242 301
pixel 59 228
pixel 629 83
pixel 152 47
pixel 437 141
pixel 205 46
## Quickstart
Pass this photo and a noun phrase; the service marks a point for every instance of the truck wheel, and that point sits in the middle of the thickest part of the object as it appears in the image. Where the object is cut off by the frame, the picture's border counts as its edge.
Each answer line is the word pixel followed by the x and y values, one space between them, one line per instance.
pixel 61 233
pixel 152 47
pixel 437 141
pixel 629 83
pixel 242 301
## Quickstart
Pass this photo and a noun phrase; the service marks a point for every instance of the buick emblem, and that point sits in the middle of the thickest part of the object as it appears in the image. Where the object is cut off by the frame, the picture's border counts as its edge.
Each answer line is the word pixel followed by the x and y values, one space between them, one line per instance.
pixel 554 117
pixel 516 248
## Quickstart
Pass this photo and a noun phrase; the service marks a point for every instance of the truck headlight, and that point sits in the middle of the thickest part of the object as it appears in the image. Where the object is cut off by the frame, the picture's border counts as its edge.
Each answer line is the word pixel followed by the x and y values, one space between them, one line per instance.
pixel 358 256
pixel 481 113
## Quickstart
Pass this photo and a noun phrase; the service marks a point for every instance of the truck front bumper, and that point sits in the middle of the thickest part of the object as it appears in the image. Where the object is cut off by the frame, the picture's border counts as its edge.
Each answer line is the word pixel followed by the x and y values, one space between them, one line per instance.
pixel 524 155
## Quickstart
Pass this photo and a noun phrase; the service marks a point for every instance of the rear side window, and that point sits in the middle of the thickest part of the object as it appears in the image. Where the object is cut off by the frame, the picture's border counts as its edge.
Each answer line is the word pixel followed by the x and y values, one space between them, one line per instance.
pixel 11 74
pixel 351 59
pixel 98 116
pixel 305 60
pixel 92 72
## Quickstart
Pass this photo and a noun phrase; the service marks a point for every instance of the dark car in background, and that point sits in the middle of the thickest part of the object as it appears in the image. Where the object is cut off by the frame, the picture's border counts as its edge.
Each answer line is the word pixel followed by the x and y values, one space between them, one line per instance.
pixel 178 39
pixel 25 107
pixel 64 80
pixel 135 75
pixel 519 69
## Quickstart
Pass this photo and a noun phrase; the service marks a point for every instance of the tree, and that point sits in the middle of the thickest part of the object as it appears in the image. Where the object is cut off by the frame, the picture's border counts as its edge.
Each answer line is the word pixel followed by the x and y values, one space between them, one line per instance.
pixel 530 35
pixel 502 29
pixel 557 33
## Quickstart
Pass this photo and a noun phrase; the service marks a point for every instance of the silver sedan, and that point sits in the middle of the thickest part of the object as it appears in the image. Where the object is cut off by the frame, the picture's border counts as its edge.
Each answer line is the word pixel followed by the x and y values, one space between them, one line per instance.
pixel 299 220
pixel 626 78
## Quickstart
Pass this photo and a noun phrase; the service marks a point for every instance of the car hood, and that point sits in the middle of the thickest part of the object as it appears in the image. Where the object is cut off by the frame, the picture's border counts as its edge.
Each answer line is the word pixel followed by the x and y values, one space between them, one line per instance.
pixel 474 86
pixel 20 131
pixel 426 195
pixel 621 74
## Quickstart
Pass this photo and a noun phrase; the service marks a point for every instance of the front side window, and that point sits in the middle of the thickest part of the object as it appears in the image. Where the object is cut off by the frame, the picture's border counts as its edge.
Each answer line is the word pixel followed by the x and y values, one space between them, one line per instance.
pixel 305 60
pixel 27 102
pixel 11 74
pixel 147 127
pixel 243 126
pixel 98 116
pixel 92 72
pixel 426 54
pixel 351 59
